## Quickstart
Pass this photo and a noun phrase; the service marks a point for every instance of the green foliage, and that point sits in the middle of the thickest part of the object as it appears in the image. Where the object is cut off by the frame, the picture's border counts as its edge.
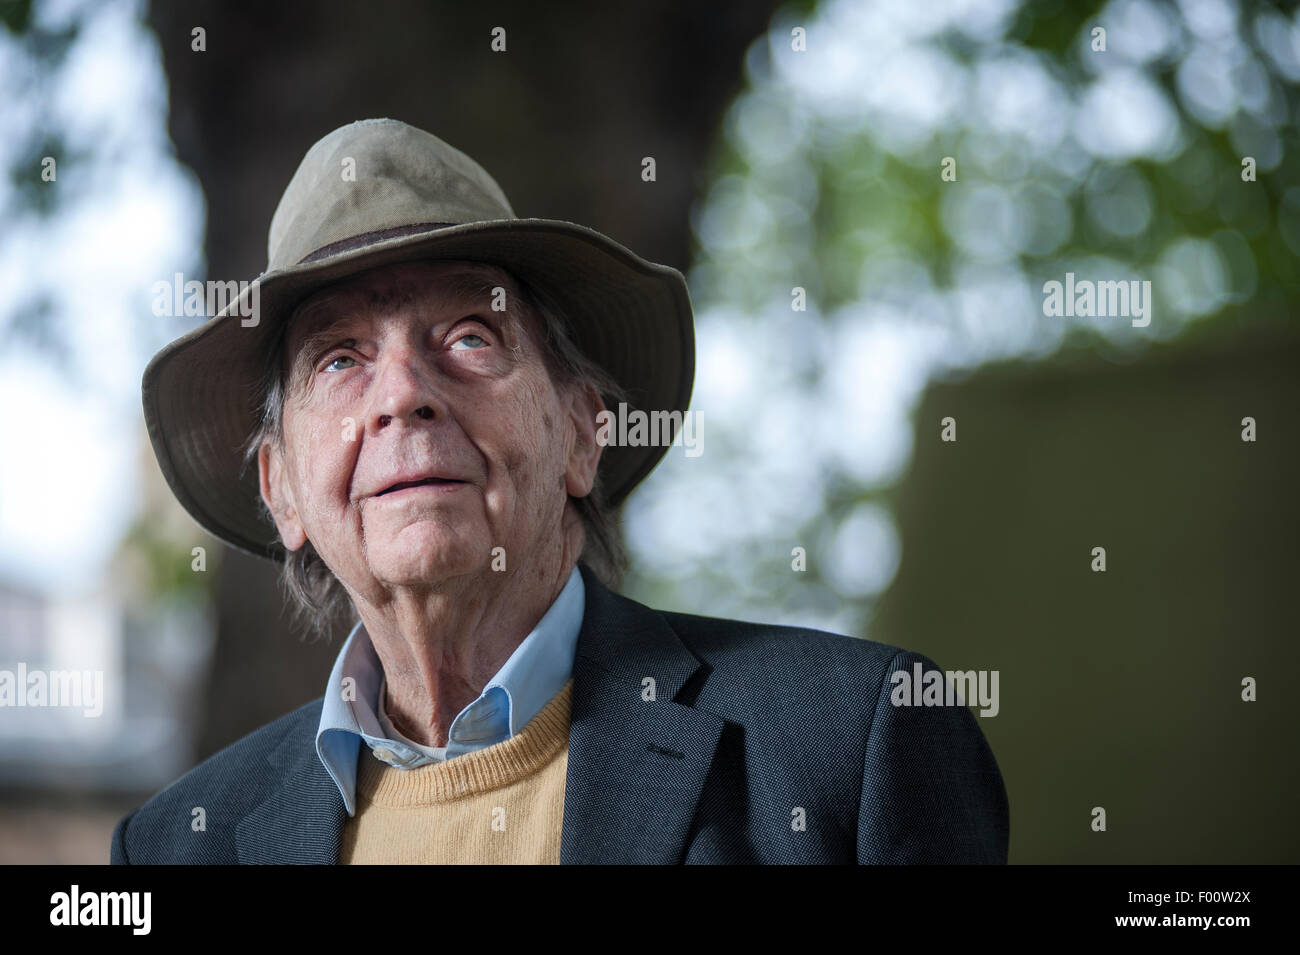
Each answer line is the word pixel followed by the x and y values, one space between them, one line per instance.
pixel 1122 164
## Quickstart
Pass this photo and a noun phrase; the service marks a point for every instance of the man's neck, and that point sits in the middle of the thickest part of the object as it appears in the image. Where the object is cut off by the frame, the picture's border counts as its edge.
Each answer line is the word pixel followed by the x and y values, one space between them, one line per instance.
pixel 440 650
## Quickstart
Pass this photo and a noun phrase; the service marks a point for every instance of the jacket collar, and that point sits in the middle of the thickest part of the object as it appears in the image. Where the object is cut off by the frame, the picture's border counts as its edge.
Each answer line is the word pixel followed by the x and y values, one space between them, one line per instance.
pixel 638 757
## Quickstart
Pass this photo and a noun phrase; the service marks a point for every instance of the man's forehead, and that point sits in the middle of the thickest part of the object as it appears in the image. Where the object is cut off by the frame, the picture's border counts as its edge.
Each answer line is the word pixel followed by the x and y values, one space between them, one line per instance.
pixel 389 288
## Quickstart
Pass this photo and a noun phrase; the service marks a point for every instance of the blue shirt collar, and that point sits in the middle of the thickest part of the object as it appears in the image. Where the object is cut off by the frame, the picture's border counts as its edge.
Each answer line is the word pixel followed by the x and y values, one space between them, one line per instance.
pixel 526 682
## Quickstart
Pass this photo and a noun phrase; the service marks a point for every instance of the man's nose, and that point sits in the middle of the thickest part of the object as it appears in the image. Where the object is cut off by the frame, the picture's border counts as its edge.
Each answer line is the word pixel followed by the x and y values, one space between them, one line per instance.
pixel 403 391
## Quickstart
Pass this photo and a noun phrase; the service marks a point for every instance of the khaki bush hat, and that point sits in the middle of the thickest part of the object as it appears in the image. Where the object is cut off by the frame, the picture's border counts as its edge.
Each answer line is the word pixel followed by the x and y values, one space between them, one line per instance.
pixel 411 196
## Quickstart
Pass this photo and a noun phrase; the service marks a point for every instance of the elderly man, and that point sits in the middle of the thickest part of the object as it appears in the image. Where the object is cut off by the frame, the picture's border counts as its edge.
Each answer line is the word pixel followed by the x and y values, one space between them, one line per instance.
pixel 418 385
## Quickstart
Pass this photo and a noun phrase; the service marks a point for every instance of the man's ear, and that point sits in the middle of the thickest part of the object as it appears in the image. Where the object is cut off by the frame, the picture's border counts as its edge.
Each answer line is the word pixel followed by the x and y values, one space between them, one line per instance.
pixel 278 497
pixel 585 404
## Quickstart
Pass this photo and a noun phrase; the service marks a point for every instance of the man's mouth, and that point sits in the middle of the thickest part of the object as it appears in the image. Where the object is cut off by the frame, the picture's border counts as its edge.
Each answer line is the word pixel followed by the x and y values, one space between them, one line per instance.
pixel 403 485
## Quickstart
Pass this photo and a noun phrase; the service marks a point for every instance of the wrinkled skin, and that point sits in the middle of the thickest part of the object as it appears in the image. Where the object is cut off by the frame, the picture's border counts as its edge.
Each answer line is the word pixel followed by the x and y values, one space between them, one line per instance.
pixel 396 374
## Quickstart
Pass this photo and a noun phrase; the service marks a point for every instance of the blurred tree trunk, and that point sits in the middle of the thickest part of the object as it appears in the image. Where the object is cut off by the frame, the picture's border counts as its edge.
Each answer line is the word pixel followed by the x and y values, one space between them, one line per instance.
pixel 562 120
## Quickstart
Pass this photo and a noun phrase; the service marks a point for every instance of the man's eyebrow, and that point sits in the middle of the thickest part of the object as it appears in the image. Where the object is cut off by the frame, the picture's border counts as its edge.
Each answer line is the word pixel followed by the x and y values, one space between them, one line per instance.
pixel 311 343
pixel 319 341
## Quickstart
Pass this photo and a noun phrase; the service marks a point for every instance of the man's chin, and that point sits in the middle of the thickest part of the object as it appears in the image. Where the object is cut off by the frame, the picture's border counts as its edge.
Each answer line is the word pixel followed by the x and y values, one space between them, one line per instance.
pixel 424 555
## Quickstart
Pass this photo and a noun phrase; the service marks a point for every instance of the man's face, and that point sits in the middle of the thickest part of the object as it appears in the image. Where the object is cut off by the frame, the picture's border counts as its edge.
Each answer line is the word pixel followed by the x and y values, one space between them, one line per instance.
pixel 421 431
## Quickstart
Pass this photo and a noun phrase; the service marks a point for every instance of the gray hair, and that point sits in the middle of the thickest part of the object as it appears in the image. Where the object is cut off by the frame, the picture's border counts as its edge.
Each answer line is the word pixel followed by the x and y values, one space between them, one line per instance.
pixel 317 598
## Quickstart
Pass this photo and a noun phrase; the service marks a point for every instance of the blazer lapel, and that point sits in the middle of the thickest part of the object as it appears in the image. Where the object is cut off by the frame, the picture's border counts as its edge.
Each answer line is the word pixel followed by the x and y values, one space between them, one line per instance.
pixel 301 822
pixel 636 765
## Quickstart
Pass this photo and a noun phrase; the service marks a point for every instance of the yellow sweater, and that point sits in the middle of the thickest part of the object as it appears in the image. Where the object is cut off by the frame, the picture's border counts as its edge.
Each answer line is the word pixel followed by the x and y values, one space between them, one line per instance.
pixel 500 804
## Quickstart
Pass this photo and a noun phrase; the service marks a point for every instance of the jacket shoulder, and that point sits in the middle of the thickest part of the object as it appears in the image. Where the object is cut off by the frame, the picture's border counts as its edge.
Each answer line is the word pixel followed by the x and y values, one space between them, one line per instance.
pixel 779 668
pixel 926 784
pixel 225 787
pixel 796 684
pixel 740 644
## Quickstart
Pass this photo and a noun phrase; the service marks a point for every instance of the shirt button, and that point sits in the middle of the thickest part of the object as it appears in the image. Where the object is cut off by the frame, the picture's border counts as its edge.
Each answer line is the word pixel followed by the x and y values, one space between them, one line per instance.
pixel 386 755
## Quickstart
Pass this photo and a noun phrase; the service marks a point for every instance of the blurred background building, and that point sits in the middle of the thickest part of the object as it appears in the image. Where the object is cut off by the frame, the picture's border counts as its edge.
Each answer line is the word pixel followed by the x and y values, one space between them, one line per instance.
pixel 867 198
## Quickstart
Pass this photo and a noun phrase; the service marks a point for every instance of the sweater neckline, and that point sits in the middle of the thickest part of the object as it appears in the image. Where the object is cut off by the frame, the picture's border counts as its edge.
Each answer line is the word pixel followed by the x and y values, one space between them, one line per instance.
pixel 479 771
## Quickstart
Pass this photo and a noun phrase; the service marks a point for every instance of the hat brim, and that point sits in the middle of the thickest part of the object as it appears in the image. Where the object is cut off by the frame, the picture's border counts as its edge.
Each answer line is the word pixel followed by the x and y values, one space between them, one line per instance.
pixel 201 392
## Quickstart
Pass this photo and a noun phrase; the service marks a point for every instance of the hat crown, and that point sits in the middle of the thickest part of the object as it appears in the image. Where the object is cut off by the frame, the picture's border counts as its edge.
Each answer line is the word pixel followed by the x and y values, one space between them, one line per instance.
pixel 377 176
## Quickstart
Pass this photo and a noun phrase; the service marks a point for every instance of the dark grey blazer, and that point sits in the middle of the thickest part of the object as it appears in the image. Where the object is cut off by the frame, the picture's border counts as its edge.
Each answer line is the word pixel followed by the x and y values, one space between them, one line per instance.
pixel 765 744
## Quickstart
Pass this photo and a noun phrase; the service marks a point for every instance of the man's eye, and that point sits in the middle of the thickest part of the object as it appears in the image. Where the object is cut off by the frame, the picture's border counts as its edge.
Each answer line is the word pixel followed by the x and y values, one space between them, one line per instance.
pixel 472 342
pixel 333 362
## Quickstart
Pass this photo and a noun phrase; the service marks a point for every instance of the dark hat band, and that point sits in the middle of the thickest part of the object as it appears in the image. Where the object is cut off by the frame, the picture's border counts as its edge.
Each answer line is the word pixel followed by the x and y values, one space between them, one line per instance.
pixel 370 238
